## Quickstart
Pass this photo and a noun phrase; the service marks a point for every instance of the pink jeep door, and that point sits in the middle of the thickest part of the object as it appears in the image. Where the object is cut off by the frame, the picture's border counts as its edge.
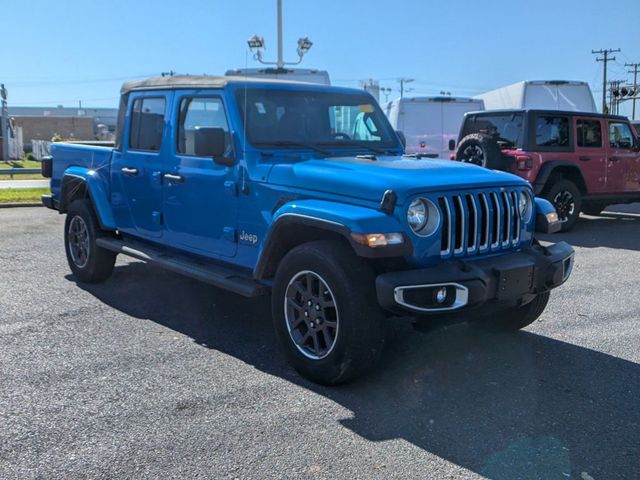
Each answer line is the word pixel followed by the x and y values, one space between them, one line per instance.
pixel 623 161
pixel 591 152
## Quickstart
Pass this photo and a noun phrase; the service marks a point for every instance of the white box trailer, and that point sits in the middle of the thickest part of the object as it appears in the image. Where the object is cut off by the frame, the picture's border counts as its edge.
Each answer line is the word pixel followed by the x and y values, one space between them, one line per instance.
pixel 563 95
pixel 294 74
pixel 428 123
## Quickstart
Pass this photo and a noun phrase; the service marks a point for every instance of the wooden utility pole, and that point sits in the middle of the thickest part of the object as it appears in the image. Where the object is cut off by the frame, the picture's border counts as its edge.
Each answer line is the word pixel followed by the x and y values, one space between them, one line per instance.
pixel 635 85
pixel 605 59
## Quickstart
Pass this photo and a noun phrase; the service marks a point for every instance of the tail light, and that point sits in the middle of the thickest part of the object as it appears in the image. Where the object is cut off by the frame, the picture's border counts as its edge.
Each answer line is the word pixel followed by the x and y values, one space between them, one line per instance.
pixel 524 162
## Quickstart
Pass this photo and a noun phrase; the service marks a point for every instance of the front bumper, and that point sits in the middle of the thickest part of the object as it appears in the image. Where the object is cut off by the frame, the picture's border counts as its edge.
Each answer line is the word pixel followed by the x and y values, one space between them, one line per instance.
pixel 503 280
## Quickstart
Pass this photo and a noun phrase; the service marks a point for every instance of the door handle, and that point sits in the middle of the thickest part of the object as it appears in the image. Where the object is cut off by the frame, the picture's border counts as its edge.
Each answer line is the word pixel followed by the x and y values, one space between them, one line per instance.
pixel 174 178
pixel 615 159
pixel 129 171
pixel 585 159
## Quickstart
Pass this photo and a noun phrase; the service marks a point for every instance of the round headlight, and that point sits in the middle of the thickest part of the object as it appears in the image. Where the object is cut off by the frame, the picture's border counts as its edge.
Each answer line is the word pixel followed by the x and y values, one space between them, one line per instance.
pixel 524 205
pixel 417 214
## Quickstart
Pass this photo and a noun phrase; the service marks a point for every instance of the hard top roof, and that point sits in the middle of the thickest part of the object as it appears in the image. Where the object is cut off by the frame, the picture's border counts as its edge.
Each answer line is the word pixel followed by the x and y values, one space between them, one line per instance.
pixel 196 81
pixel 547 111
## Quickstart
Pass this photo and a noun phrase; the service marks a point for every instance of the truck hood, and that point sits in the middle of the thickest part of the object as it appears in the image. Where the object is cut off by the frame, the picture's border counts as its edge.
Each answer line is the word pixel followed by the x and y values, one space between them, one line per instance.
pixel 368 179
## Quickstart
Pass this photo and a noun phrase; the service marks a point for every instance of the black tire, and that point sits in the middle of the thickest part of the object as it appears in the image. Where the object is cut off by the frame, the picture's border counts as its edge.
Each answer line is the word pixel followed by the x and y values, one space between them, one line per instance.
pixel 358 335
pixel 514 318
pixel 567 200
pixel 88 262
pixel 482 150
pixel 593 209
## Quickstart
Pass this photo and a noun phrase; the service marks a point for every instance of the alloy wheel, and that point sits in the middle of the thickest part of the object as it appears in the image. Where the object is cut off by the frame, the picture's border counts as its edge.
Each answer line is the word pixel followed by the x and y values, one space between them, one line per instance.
pixel 79 241
pixel 565 205
pixel 474 154
pixel 311 315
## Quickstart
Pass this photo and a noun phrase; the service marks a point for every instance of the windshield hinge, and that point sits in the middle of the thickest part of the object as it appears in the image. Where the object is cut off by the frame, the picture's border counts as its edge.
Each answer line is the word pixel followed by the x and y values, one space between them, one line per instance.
pixel 388 203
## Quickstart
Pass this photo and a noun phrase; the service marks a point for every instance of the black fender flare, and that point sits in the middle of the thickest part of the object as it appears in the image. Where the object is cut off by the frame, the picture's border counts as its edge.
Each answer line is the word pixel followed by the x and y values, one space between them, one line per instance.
pixel 276 243
pixel 547 170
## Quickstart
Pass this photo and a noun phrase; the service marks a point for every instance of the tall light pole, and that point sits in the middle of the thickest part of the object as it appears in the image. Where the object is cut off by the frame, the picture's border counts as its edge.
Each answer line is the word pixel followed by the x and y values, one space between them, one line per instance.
pixel 256 44
pixel 280 61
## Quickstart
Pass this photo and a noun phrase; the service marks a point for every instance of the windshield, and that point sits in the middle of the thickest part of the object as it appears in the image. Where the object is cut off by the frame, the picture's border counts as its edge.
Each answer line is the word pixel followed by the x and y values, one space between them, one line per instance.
pixel 314 119
pixel 505 128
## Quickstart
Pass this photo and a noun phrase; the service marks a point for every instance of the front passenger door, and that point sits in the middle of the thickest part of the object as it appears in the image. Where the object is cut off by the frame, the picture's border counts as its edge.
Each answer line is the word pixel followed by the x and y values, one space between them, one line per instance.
pixel 623 166
pixel 200 195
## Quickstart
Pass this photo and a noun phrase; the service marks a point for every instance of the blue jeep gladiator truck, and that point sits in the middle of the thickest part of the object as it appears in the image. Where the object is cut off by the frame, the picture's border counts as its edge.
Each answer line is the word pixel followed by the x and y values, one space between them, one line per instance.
pixel 302 192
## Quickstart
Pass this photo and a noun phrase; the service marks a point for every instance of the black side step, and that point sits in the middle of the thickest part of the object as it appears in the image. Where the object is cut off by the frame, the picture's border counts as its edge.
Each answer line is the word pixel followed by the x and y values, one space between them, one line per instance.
pixel 223 277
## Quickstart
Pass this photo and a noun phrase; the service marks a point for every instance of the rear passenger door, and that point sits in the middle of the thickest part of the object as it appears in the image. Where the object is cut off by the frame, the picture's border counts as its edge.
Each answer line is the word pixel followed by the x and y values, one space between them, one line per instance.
pixel 591 152
pixel 623 166
pixel 200 195
pixel 136 170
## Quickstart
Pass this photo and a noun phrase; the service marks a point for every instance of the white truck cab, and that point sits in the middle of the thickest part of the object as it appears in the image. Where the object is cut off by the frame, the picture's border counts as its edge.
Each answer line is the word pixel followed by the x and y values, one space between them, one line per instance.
pixel 429 123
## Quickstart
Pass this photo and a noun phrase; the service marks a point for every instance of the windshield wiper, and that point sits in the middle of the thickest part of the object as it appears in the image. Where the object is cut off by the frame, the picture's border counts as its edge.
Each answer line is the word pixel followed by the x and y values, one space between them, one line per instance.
pixel 291 143
pixel 355 143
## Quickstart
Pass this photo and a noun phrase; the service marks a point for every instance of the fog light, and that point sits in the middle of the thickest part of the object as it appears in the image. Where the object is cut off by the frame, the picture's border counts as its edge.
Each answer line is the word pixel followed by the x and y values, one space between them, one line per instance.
pixel 552 217
pixel 441 295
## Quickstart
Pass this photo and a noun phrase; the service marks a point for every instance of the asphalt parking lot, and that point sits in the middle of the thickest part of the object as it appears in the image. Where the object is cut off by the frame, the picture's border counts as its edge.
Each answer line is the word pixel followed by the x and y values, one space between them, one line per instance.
pixel 151 375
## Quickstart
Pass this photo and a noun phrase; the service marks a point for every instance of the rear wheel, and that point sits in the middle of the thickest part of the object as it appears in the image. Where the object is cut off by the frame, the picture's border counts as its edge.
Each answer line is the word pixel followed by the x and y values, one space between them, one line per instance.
pixel 515 318
pixel 567 200
pixel 324 312
pixel 88 262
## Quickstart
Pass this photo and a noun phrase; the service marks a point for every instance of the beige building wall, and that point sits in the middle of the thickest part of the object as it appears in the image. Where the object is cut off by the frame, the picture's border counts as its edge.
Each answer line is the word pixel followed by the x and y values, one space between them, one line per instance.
pixel 45 128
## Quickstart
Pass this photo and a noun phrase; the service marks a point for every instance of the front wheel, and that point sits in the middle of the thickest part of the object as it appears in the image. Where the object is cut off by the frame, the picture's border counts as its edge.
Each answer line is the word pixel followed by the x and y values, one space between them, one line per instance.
pixel 514 318
pixel 325 313
pixel 567 200
pixel 88 262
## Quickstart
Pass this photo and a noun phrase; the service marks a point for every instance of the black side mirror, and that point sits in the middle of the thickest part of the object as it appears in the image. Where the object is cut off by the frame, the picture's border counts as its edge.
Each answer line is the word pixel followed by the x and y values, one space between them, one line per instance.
pixel 403 139
pixel 452 145
pixel 211 142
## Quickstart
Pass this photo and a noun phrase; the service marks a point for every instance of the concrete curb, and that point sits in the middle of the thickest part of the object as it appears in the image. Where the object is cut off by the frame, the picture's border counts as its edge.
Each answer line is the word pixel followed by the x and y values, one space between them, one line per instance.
pixel 24 204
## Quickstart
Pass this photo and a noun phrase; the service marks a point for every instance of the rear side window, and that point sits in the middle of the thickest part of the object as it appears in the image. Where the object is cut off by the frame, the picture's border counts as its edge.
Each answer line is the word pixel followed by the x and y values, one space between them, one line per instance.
pixel 620 135
pixel 505 128
pixel 589 133
pixel 552 131
pixel 197 116
pixel 147 123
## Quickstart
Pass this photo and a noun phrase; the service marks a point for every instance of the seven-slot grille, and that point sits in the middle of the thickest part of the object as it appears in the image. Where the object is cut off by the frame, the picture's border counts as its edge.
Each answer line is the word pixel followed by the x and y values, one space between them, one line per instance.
pixel 479 222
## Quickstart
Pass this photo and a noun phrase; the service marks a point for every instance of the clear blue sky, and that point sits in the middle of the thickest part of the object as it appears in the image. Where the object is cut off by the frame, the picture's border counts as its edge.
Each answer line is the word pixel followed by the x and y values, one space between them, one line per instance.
pixel 63 51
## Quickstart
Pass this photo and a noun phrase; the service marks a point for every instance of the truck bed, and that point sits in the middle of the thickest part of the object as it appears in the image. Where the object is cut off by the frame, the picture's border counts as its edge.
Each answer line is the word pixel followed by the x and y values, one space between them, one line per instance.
pixel 95 156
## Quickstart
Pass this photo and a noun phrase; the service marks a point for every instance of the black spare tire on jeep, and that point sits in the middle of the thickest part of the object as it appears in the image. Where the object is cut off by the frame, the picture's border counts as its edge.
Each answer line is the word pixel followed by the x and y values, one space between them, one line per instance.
pixel 482 150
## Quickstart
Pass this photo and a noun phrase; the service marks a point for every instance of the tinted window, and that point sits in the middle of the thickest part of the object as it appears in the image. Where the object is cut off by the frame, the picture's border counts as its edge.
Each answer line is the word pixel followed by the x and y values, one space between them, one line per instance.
pixel 147 122
pixel 198 114
pixel 507 128
pixel 589 133
pixel 276 118
pixel 552 131
pixel 620 135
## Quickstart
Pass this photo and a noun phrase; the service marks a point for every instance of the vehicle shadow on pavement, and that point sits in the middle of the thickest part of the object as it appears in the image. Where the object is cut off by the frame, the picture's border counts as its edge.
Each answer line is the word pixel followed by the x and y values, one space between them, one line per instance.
pixel 506 406
pixel 611 230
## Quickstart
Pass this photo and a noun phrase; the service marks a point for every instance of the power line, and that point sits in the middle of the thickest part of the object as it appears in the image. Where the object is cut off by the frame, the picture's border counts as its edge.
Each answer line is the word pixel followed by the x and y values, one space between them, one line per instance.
pixel 605 59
